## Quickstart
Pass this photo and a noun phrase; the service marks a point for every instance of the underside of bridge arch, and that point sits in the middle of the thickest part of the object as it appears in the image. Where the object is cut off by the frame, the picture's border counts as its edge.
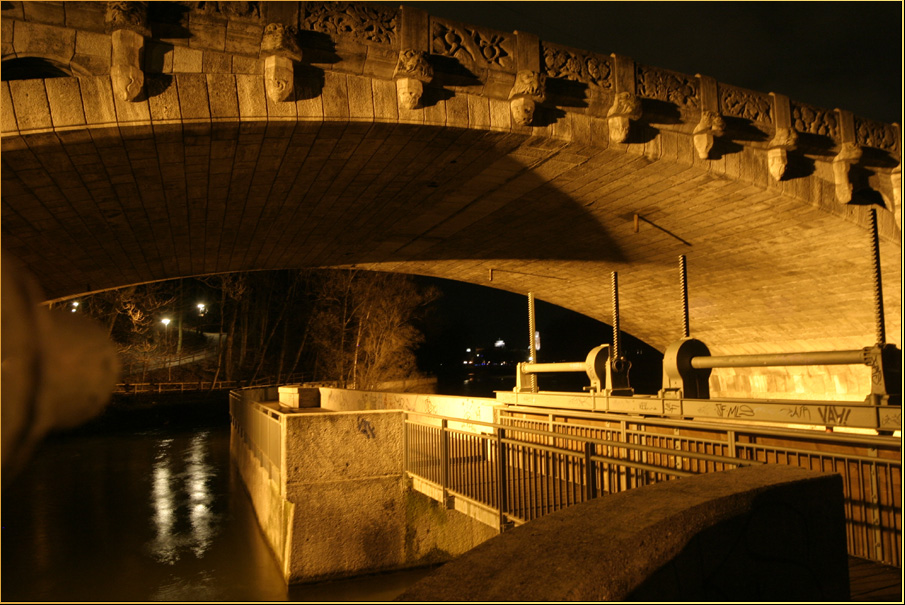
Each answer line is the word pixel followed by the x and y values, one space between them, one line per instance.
pixel 205 173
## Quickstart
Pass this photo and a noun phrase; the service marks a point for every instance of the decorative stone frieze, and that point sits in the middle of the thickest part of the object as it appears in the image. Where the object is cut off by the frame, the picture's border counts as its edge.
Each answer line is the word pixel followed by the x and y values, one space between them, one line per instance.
pixel 529 90
pixel 814 120
pixel 740 103
pixel 663 85
pixel 280 51
pixel 569 64
pixel 411 74
pixel 626 107
pixel 249 10
pixel 365 22
pixel 127 23
pixel 896 177
pixel 875 134
pixel 472 45
pixel 784 138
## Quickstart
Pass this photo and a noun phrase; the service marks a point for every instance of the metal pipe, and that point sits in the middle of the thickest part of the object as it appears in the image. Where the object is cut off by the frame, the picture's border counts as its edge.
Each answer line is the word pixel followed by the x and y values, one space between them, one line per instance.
pixel 683 284
pixel 780 359
pixel 878 278
pixel 564 366
pixel 532 349
pixel 615 281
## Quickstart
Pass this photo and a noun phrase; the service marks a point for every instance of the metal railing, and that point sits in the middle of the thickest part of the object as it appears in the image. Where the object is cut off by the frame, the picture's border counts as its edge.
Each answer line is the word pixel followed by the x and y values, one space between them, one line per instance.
pixel 524 472
pixel 132 388
pixel 261 430
pixel 870 465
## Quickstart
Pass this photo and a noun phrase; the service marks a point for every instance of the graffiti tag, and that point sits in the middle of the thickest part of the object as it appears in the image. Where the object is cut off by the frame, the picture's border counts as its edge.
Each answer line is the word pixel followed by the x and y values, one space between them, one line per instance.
pixel 799 411
pixel 833 415
pixel 733 411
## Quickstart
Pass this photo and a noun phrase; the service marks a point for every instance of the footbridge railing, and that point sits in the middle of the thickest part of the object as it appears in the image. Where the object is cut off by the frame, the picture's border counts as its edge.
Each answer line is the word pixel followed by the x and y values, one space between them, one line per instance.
pixel 532 462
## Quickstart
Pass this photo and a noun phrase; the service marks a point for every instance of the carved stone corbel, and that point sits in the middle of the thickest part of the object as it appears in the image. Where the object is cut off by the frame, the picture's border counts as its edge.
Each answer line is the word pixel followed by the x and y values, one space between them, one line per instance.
pixel 849 153
pixel 785 138
pixel 127 24
pixel 530 88
pixel 711 124
pixel 411 74
pixel 626 107
pixel 280 50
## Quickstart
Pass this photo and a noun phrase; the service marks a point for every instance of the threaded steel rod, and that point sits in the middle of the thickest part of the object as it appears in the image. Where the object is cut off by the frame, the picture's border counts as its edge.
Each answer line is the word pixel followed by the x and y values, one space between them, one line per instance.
pixel 532 349
pixel 683 284
pixel 615 281
pixel 878 278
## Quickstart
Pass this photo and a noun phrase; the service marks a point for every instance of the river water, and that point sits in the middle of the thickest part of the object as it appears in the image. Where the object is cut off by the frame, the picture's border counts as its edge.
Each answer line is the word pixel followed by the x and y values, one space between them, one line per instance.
pixel 152 515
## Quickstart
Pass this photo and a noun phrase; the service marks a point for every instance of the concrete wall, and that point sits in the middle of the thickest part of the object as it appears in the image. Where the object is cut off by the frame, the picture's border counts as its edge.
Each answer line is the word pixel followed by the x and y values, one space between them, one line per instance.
pixel 345 506
pixel 756 533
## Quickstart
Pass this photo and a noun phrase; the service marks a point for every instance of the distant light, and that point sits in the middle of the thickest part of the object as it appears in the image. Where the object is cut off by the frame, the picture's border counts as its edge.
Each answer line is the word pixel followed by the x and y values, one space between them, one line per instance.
pixel 500 344
pixel 537 340
pixel 468 350
pixel 75 306
pixel 165 321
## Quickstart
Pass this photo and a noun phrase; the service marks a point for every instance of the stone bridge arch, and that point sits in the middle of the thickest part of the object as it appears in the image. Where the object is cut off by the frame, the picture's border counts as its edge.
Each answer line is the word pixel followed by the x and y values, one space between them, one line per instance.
pixel 211 166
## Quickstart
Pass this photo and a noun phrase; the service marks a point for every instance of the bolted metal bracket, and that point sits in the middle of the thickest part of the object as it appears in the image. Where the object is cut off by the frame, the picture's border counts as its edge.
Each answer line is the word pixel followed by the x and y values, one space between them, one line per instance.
pixel 680 379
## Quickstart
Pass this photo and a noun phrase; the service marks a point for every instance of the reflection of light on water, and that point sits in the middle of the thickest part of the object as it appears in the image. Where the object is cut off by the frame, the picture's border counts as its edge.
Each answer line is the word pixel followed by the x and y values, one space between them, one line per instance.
pixel 193 503
pixel 199 495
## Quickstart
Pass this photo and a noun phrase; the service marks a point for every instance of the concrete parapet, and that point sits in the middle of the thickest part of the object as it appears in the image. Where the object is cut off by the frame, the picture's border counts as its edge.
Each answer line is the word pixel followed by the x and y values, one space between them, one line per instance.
pixel 295 396
pixel 756 533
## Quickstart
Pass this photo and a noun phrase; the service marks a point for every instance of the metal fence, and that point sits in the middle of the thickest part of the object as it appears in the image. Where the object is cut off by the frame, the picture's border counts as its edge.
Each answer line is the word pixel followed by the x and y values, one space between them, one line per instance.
pixel 524 472
pixel 134 388
pixel 261 429
pixel 534 463
pixel 870 465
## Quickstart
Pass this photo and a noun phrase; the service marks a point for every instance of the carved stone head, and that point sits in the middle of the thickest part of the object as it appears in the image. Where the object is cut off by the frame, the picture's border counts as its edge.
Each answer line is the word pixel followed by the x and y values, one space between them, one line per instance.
pixel 409 91
pixel 529 83
pixel 279 76
pixel 522 110
pixel 128 81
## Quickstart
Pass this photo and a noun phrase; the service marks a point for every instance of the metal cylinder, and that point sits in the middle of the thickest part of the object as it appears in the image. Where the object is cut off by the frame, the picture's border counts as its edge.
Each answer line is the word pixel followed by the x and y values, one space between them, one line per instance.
pixel 683 284
pixel 816 358
pixel 564 366
pixel 532 350
pixel 616 348
pixel 878 278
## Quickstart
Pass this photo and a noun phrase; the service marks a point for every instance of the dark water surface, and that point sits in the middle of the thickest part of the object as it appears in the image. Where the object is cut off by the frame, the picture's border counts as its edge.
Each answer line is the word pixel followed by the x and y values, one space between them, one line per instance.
pixel 146 516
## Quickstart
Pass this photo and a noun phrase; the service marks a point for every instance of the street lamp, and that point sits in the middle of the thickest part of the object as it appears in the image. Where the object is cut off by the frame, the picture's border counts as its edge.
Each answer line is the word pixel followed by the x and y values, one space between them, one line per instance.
pixel 166 344
pixel 202 308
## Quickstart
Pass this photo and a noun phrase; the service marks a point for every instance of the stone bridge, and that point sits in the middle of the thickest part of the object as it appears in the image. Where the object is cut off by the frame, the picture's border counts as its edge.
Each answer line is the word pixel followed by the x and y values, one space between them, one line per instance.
pixel 147 142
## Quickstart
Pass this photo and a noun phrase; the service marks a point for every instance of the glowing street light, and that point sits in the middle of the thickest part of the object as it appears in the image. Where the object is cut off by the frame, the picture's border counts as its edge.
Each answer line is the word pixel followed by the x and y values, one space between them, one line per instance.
pixel 166 343
pixel 202 308
pixel 75 306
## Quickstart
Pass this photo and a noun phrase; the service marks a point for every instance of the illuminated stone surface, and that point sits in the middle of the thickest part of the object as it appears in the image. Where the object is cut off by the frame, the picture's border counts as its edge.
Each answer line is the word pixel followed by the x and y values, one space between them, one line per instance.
pixel 204 172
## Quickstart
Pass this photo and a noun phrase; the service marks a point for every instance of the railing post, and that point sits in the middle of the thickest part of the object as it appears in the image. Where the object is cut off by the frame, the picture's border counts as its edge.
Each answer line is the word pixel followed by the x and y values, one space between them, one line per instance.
pixel 444 462
pixel 405 443
pixel 590 476
pixel 501 487
pixel 876 527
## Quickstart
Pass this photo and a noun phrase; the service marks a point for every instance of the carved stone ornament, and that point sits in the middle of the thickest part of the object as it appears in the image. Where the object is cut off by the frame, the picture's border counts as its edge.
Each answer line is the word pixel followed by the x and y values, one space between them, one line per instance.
pixel 813 120
pixel 896 177
pixel 362 21
pixel 784 140
pixel 528 90
pixel 126 75
pixel 577 66
pixel 280 49
pixel 653 83
pixel 409 92
pixel 710 126
pixel 413 64
pixel 473 46
pixel 127 15
pixel 281 40
pixel 626 107
pixel 228 9
pixel 875 134
pixel 849 154
pixel 741 103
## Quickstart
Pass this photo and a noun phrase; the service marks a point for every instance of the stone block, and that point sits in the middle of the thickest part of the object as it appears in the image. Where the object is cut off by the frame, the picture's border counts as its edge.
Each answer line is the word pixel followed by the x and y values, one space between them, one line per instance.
pixel 187 60
pixel 209 36
pixel 335 95
pixel 193 99
pixel 361 99
pixel 224 102
pixel 294 396
pixel 385 101
pixel 85 15
pixel 65 101
pixel 45 12
pixel 33 39
pixel 7 113
pixel 164 106
pixel 216 63
pixel 30 103
pixel 6 38
pixel 244 38
pixel 251 95
pixel 247 65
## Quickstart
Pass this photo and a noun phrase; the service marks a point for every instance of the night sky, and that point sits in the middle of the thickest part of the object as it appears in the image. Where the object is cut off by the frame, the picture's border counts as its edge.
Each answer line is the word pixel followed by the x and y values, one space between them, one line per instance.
pixel 830 54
